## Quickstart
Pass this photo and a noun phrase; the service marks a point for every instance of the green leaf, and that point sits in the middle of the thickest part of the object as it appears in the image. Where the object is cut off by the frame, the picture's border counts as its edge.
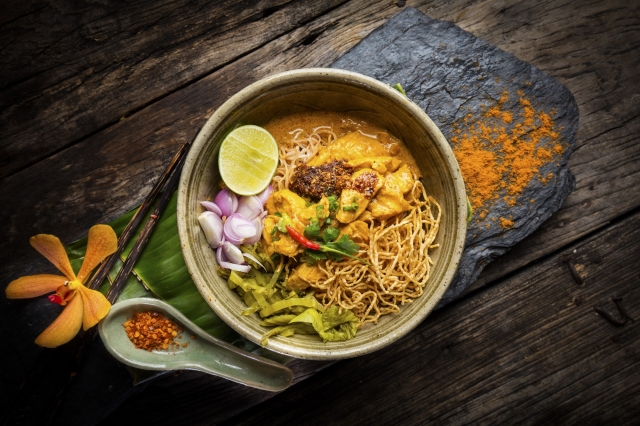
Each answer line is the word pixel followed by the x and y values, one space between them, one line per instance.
pixel 332 326
pixel 311 257
pixel 307 302
pixel 312 231
pixel 345 246
pixel 162 270
pixel 399 88
pixel 330 234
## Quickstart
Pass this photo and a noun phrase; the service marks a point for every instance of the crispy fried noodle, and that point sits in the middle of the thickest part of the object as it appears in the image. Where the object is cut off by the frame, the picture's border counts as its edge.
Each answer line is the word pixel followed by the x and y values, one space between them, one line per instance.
pixel 397 249
pixel 300 149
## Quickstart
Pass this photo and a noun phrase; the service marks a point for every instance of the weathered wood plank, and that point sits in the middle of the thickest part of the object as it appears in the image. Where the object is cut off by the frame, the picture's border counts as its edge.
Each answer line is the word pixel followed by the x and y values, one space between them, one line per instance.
pixel 529 350
pixel 111 171
pixel 223 399
pixel 600 195
pixel 593 49
pixel 69 69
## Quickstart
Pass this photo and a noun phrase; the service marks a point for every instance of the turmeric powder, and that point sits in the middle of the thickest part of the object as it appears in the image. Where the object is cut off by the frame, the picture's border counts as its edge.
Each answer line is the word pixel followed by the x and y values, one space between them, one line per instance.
pixel 506 223
pixel 503 151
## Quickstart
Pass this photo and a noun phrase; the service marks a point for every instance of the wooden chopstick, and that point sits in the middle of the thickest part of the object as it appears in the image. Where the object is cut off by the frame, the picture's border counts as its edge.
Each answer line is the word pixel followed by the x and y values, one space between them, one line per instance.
pixel 47 357
pixel 127 233
pixel 145 234
pixel 172 173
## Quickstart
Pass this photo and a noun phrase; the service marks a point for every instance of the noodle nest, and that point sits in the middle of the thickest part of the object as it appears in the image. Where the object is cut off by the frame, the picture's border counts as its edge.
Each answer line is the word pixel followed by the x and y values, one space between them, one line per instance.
pixel 397 249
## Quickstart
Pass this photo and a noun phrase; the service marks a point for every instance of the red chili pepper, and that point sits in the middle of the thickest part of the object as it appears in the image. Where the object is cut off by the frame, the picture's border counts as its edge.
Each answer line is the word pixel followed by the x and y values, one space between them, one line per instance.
pixel 56 298
pixel 302 239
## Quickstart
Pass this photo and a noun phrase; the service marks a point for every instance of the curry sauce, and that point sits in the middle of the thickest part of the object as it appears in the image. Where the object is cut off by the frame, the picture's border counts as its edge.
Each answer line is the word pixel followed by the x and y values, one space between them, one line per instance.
pixel 341 124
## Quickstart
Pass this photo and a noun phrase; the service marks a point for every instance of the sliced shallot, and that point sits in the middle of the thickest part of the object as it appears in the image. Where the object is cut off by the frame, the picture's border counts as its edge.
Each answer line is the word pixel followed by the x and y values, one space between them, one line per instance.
pixel 227 201
pixel 249 206
pixel 242 224
pixel 212 207
pixel 237 229
pixel 232 253
pixel 257 223
pixel 225 264
pixel 212 227
pixel 264 195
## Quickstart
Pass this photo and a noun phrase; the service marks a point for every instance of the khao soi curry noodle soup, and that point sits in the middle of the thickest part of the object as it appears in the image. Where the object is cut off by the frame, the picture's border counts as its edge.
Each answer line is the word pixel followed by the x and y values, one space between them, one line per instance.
pixel 347 229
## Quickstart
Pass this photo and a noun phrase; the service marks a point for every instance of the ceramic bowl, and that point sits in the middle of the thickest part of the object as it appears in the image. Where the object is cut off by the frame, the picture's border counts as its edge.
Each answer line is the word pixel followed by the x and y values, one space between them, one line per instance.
pixel 323 89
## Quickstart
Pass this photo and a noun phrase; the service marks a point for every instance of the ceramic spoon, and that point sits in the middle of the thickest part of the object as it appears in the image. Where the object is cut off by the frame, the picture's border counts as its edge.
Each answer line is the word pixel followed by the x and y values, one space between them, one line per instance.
pixel 204 353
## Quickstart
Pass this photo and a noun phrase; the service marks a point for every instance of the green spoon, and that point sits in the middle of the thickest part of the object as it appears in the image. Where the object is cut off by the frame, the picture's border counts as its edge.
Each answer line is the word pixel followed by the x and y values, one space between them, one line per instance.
pixel 204 353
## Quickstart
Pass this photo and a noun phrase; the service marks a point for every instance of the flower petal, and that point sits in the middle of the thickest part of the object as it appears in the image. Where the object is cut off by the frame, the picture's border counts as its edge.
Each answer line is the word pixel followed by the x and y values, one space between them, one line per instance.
pixel 65 327
pixel 33 286
pixel 50 247
pixel 101 243
pixel 96 306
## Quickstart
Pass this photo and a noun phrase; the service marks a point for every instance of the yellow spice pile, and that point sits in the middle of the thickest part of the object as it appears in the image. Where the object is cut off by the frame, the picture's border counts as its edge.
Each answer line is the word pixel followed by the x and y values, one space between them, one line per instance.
pixel 500 153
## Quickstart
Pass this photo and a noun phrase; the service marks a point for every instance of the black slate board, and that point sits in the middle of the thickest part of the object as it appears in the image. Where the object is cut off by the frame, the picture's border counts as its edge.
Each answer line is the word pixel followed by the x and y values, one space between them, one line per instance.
pixel 450 74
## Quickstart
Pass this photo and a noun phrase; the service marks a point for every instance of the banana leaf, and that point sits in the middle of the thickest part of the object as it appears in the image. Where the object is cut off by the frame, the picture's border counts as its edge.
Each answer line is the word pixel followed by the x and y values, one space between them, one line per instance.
pixel 161 272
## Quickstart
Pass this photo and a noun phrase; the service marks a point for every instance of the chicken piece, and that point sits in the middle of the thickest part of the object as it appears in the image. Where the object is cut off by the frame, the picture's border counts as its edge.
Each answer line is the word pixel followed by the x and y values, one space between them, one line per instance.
pixel 290 203
pixel 390 199
pixel 270 205
pixel 365 216
pixel 405 178
pixel 365 183
pixel 278 242
pixel 357 230
pixel 382 165
pixel 351 146
pixel 304 275
pixel 390 142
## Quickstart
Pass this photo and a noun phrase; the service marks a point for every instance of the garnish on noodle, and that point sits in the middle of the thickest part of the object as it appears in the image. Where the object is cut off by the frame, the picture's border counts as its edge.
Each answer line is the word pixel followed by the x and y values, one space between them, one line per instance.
pixel 346 230
pixel 393 223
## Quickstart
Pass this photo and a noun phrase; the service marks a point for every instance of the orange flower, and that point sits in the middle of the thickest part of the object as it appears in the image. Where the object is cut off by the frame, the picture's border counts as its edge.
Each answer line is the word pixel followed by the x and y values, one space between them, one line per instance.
pixel 83 306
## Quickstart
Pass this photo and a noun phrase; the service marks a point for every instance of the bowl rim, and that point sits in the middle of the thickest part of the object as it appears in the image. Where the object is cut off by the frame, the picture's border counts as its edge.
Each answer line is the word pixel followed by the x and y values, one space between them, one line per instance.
pixel 329 74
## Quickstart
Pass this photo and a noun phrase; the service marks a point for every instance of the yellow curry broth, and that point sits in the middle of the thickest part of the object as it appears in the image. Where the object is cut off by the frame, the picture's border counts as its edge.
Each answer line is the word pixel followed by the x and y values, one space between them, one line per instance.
pixel 341 124
pixel 370 150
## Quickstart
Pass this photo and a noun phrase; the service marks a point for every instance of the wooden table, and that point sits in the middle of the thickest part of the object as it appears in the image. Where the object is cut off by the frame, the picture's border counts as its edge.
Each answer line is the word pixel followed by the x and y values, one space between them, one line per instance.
pixel 97 96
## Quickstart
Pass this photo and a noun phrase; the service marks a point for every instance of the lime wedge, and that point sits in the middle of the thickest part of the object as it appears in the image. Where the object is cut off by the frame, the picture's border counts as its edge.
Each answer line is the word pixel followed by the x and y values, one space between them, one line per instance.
pixel 248 159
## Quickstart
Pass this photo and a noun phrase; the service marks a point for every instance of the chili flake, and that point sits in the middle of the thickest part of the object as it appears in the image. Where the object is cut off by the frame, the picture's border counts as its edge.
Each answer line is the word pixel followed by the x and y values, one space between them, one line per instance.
pixel 151 331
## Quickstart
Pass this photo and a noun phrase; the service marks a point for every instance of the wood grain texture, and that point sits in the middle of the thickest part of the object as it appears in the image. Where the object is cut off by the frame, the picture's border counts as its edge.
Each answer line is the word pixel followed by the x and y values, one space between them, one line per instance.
pixel 222 398
pixel 99 167
pixel 95 172
pixel 495 359
pixel 72 68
